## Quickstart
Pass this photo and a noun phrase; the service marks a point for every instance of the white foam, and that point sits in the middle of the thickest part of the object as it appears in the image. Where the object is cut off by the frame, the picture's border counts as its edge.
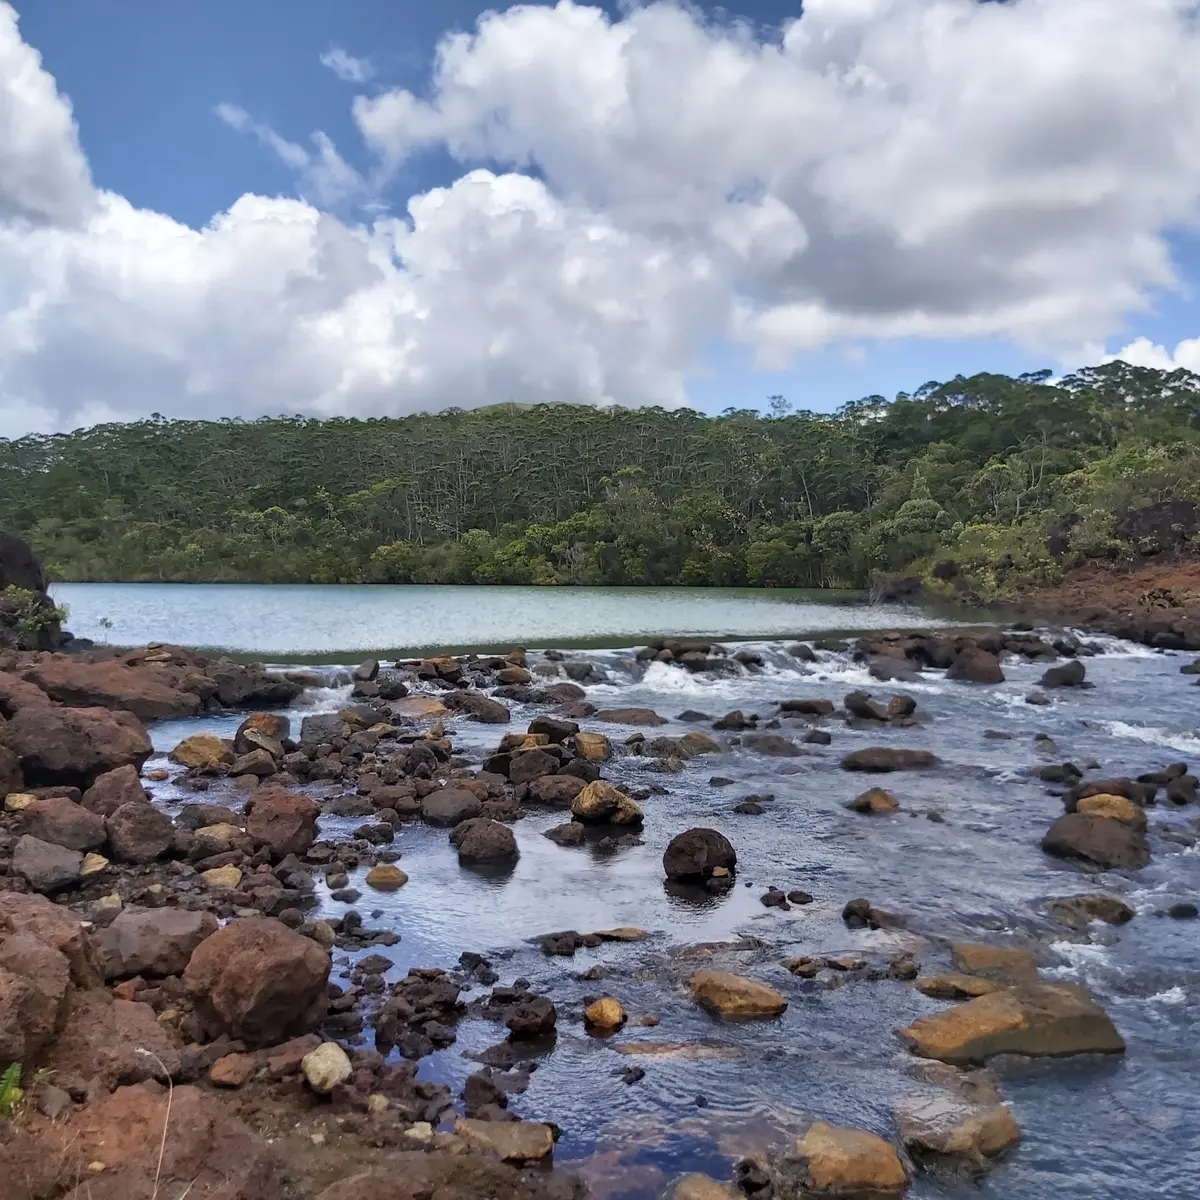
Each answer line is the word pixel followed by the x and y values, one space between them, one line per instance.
pixel 1171 996
pixel 1153 735
pixel 317 700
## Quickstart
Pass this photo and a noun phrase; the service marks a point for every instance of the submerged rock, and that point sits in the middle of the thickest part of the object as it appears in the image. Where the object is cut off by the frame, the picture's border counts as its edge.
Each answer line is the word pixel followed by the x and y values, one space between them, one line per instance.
pixel 509 1141
pixel 1097 840
pixel 1071 674
pixel 482 840
pixel 1079 911
pixel 875 801
pixel 1037 1020
pixel 831 1161
pixel 950 1127
pixel 696 853
pixel 881 759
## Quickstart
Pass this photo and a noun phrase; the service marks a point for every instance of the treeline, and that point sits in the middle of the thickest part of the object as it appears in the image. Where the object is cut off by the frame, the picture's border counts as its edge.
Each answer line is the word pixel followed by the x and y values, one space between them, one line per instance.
pixel 1013 479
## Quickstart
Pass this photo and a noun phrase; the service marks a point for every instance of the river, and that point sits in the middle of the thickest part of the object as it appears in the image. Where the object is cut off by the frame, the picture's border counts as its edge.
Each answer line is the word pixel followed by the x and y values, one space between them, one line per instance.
pixel 1094 1129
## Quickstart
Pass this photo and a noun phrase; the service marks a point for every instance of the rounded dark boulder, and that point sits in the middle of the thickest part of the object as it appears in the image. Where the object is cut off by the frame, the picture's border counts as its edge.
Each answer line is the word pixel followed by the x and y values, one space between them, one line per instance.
pixel 482 840
pixel 1099 841
pixel 696 853
pixel 1069 674
pixel 533 1017
pixel 449 806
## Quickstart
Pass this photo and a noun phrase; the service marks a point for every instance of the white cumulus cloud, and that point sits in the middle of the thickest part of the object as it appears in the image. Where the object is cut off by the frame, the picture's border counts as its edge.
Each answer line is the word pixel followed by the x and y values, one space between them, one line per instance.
pixel 632 191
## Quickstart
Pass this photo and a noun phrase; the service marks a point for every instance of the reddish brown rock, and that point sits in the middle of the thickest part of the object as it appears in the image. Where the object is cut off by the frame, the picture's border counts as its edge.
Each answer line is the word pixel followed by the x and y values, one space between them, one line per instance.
pixel 112 789
pixel 150 942
pixel 111 684
pixel 11 778
pixel 285 822
pixel 56 819
pixel 258 980
pixel 74 745
pixel 34 981
pixel 139 833
pixel 54 925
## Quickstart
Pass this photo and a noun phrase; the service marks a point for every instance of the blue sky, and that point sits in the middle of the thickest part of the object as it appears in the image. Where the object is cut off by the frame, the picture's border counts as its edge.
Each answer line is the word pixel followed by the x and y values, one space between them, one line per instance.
pixel 145 79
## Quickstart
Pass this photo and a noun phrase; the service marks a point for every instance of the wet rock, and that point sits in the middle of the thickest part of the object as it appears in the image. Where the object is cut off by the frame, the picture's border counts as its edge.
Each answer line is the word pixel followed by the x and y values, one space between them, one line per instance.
pixel 957 987
pixel 773 744
pixel 386 877
pixel 976 666
pixel 554 729
pixel 736 720
pixel 533 1017
pixel 1184 911
pixel 831 1161
pixel 259 763
pixel 60 821
pixel 594 747
pixel 1115 808
pixel 509 1141
pixel 326 1067
pixel 601 803
pixel 605 1015
pixel 284 822
pixel 257 980
pixel 449 805
pixel 729 995
pixel 139 833
pixel 151 942
pixel 817 737
pixel 528 765
pixel 484 841
pixel 44 866
pixel 1098 841
pixel 803 967
pixel 554 791
pixel 1004 963
pixel 808 708
pixel 952 1128
pixel 1035 1020
pixel 860 704
pixel 881 759
pixel 1070 674
pixel 874 801
pixel 1079 911
pixel 570 834
pixel 74 746
pixel 693 856
pixel 1038 699
pixel 702 1187
pixel 630 716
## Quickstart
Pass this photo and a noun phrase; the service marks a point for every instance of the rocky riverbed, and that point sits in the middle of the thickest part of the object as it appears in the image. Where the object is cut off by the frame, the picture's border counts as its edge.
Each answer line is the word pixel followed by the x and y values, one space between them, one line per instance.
pixel 908 914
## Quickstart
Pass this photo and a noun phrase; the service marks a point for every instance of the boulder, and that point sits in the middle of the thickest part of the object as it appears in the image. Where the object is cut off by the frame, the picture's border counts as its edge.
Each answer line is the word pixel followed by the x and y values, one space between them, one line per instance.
pixel 957 987
pixel 113 1040
pixel 729 995
pixel 881 759
pixel 326 1067
pixel 139 833
pixel 976 666
pixel 112 684
pixel 955 1129
pixel 271 725
pixel 594 747
pixel 528 765
pixel 57 819
pixel 570 834
pixel 774 744
pixel 605 1015
pixel 808 708
pixel 259 981
pixel 703 1187
pixel 481 840
pixel 1115 808
pixel 112 789
pixel 1079 911
pixel 11 778
pixel 74 746
pixel 832 1161
pixel 874 801
pixel 1004 963
pixel 532 1017
pixel 285 822
pixel 200 750
pixel 553 729
pixel 860 704
pixel 151 942
pixel 554 791
pixel 54 925
pixel 1038 1020
pixel 386 878
pixel 694 854
pixel 243 685
pixel 449 805
pixel 602 804
pixel 483 708
pixel 509 1141
pixel 1097 840
pixel 259 762
pixel 45 866
pixel 34 981
pixel 1069 674
pixel 630 716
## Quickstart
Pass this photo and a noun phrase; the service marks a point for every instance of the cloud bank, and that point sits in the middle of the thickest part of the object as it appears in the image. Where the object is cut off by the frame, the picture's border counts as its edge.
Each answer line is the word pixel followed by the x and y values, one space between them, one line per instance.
pixel 633 190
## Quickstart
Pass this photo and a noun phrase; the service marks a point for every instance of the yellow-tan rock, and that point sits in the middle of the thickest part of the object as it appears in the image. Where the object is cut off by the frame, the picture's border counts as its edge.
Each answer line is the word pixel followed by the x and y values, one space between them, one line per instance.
pixel 1116 808
pixel 386 878
pixel 1038 1020
pixel 1005 963
pixel 419 708
pixel 730 995
pixel 605 1015
pixel 832 1161
pixel 703 1187
pixel 222 877
pixel 593 746
pixel 602 804
pixel 952 986
pixel 223 831
pixel 326 1067
pixel 92 865
pixel 951 1127
pixel 200 750
pixel 511 1141
pixel 16 801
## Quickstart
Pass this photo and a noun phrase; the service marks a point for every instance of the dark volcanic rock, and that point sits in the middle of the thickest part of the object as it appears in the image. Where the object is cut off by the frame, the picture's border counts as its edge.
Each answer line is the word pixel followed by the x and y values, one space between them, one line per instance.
pixel 56 819
pixel 1100 841
pixel 450 805
pixel 880 759
pixel 1070 674
pixel 481 840
pixel 976 666
pixel 74 745
pixel 139 833
pixel 696 853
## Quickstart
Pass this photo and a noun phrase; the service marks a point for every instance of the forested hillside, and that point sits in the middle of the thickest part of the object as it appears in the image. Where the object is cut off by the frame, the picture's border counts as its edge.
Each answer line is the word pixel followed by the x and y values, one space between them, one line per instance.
pixel 1011 478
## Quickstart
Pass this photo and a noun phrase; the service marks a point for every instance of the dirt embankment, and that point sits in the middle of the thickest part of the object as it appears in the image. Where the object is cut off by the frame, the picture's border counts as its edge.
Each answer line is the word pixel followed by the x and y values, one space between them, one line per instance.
pixel 1158 605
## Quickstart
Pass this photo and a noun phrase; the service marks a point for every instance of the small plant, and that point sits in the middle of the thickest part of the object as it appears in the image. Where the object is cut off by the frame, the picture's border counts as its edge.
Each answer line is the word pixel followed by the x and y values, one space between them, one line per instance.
pixel 10 1091
pixel 28 615
pixel 106 623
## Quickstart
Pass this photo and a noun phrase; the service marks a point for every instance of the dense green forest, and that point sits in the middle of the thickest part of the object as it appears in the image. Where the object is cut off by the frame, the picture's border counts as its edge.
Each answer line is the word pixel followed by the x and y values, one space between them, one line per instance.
pixel 1013 479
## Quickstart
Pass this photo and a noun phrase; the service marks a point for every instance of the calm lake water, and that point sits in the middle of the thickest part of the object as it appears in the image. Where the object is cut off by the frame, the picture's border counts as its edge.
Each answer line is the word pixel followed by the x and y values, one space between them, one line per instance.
pixel 322 621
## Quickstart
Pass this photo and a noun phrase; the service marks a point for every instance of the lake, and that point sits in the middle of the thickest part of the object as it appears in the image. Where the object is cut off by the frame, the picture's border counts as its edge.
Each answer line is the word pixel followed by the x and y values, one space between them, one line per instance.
pixel 301 622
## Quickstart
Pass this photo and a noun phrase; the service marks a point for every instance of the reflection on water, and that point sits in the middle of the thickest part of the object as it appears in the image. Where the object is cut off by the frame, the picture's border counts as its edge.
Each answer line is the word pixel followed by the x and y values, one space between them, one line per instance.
pixel 315 621
pixel 1094 1129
